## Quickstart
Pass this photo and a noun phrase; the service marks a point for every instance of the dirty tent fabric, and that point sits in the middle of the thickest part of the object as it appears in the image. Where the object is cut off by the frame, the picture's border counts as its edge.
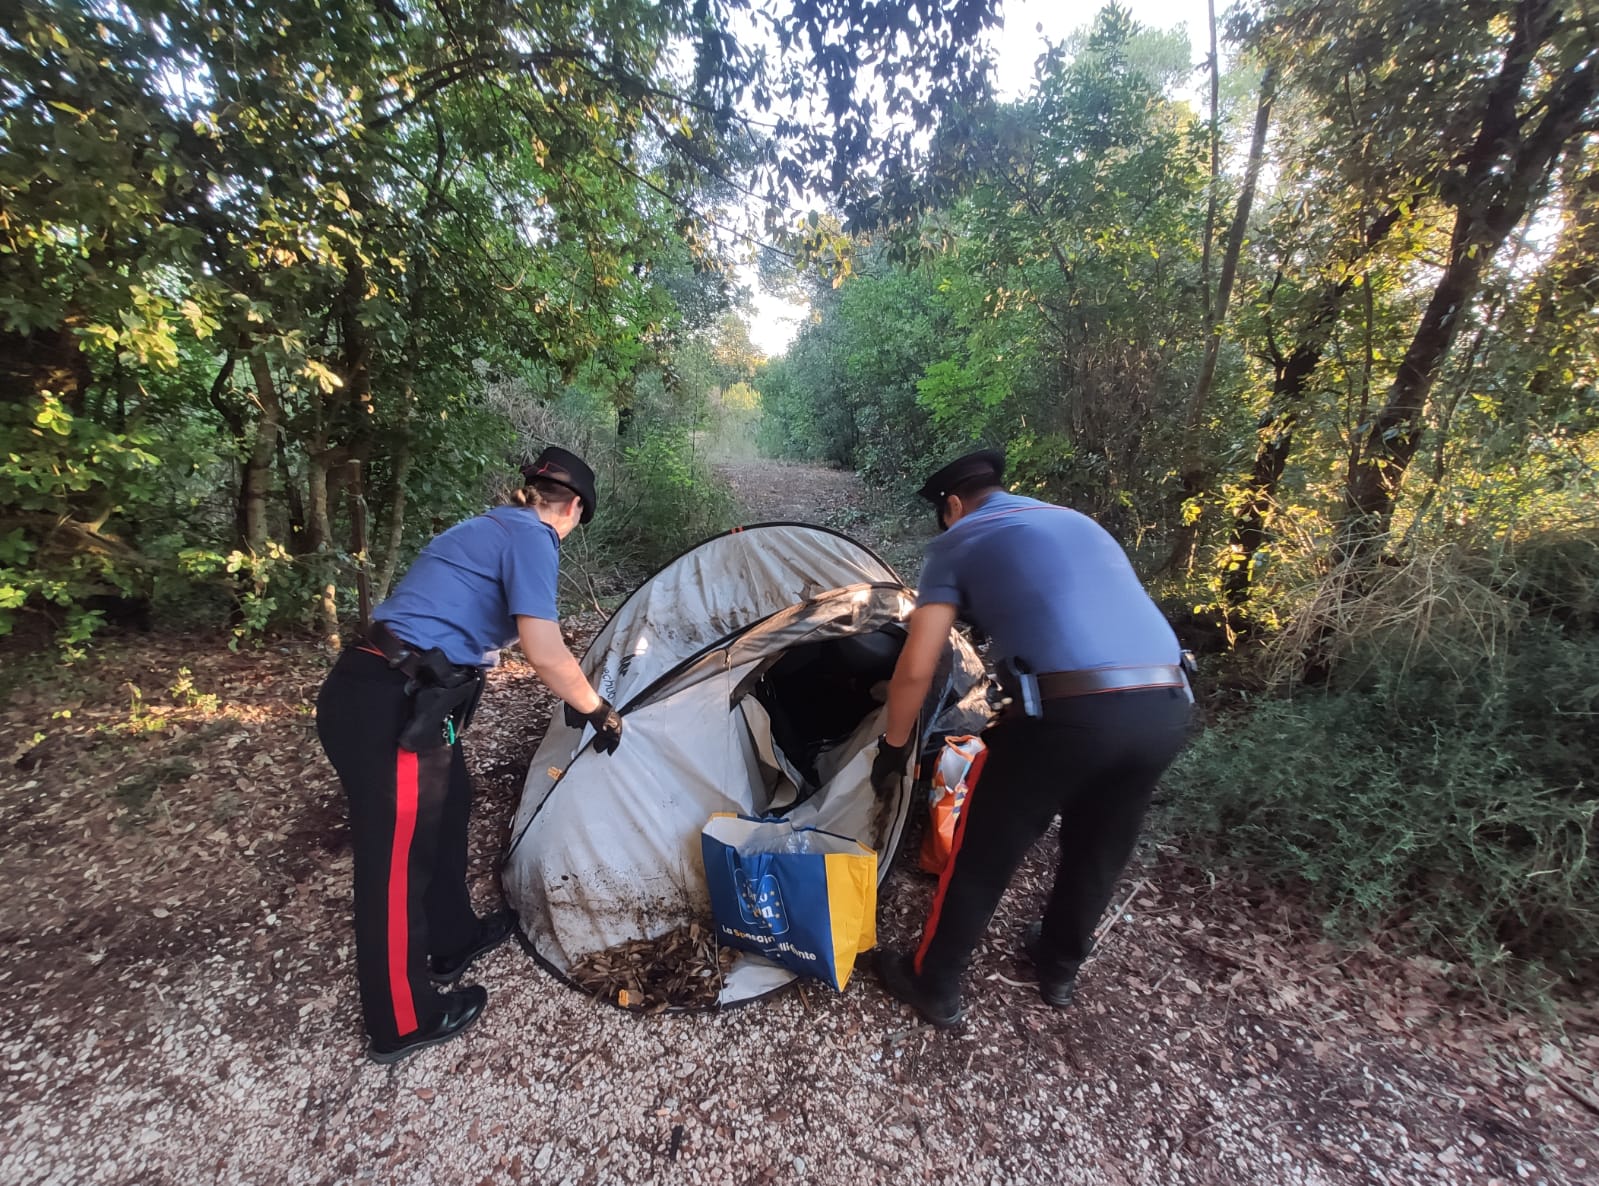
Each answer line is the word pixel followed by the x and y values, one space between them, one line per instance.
pixel 751 672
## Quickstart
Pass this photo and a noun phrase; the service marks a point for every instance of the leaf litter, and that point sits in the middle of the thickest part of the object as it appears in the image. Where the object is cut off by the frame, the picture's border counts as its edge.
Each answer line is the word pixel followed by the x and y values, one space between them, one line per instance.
pixel 684 968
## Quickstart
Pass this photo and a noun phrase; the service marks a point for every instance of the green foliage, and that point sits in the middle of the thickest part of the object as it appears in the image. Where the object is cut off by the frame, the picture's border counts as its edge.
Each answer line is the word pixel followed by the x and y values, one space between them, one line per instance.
pixel 847 390
pixel 51 459
pixel 667 499
pixel 1443 787
pixel 788 426
pixel 659 497
pixel 658 493
pixel 300 228
pixel 262 582
pixel 1050 304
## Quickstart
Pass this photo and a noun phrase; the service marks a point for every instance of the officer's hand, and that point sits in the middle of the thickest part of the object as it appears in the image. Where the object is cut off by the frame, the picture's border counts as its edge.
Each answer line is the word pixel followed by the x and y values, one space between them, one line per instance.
pixel 607 724
pixel 888 768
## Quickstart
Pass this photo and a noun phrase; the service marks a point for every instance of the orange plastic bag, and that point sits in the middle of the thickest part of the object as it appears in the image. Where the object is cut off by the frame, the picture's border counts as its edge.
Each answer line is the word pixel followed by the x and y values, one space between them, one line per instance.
pixel 958 767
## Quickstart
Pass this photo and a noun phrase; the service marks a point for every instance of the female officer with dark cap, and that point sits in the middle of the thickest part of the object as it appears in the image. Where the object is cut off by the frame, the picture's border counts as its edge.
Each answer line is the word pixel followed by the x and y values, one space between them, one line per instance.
pixel 390 717
pixel 1099 708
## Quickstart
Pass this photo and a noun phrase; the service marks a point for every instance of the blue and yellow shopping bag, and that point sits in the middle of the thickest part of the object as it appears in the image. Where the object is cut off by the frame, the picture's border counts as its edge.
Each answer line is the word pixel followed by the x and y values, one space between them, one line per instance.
pixel 803 898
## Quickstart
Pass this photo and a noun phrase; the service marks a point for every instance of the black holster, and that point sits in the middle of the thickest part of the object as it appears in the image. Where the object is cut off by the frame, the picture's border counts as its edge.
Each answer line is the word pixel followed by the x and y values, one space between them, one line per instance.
pixel 443 695
pixel 440 713
pixel 1020 685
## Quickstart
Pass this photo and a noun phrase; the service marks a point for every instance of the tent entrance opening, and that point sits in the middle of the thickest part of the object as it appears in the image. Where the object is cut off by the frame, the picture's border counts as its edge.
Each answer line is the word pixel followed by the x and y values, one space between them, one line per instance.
pixel 807 706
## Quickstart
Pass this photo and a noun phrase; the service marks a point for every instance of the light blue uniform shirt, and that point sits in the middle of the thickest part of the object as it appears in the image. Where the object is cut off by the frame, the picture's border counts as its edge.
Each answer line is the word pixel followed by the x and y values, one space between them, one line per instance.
pixel 470 584
pixel 1049 586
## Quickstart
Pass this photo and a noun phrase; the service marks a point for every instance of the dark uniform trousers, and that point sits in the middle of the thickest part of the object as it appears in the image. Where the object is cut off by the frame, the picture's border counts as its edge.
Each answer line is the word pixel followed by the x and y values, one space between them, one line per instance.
pixel 1092 760
pixel 408 823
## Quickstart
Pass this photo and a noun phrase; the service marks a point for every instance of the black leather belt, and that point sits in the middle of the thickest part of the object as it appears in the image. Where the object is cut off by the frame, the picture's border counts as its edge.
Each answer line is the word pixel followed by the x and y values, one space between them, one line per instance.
pixel 402 656
pixel 1058 685
pixel 419 666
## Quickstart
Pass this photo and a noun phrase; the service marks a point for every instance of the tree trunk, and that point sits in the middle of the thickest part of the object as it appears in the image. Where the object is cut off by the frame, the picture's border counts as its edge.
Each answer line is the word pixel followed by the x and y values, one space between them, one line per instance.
pixel 1571 284
pixel 1504 172
pixel 291 495
pixel 1194 477
pixel 327 613
pixel 357 343
pixel 418 274
pixel 319 534
pixel 358 543
pixel 237 427
pixel 1358 405
pixel 1212 198
pixel 1251 530
pixel 396 525
pixel 125 386
pixel 219 386
pixel 257 477
pixel 338 476
pixel 322 489
pixel 316 508
pixel 1290 382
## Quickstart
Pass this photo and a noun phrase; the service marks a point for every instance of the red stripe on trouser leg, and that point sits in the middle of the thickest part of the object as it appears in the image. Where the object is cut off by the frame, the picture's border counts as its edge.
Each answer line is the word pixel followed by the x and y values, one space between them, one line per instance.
pixel 949 866
pixel 405 799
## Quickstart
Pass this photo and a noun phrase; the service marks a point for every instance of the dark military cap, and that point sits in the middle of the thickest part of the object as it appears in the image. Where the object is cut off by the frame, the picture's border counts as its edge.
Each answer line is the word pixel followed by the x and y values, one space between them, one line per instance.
pixel 986 465
pixel 567 469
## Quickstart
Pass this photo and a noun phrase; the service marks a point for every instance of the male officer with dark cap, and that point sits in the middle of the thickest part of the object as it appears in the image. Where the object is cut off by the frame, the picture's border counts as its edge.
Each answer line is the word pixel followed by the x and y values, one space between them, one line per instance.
pixel 1099 708
pixel 390 717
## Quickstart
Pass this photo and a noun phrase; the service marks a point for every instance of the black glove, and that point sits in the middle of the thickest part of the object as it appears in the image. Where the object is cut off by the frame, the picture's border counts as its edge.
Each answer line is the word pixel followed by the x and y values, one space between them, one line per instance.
pixel 889 766
pixel 607 724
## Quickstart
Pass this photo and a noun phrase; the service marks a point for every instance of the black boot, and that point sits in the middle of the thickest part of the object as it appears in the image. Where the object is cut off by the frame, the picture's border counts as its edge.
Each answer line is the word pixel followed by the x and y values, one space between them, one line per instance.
pixel 941 1007
pixel 492 930
pixel 1056 985
pixel 461 1009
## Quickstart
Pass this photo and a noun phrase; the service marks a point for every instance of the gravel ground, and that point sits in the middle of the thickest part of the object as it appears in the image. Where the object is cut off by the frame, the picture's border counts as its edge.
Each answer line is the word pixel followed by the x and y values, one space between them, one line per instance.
pixel 181 1005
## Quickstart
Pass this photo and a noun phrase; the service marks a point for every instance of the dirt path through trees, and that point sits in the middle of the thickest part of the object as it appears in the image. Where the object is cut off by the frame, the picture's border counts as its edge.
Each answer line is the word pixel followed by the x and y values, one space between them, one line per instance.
pixel 180 1006
pixel 771 491
pixel 777 491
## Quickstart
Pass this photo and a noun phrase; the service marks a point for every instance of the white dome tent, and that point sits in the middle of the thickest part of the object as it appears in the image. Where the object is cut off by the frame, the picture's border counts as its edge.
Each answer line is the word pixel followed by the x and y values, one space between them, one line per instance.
pixel 750 674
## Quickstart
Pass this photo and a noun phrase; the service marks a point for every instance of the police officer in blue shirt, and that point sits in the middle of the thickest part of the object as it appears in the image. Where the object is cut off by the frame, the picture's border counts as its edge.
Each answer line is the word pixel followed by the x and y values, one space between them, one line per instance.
pixel 1099 708
pixel 390 717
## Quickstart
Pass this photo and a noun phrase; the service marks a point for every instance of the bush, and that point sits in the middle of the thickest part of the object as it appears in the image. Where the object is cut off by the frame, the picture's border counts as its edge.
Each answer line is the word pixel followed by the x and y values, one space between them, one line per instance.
pixel 1444 785
pixel 87 515
pixel 665 498
pixel 658 493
